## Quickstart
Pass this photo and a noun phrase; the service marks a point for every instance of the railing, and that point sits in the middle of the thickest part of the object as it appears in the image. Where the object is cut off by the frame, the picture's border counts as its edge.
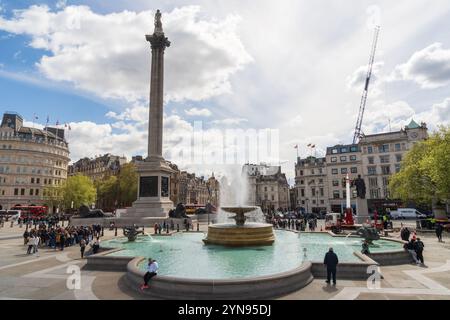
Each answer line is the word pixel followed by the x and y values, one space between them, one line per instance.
pixel 34 140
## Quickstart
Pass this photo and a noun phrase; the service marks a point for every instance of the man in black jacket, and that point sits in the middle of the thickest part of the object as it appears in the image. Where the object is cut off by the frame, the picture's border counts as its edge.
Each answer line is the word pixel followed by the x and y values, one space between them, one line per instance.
pixel 331 261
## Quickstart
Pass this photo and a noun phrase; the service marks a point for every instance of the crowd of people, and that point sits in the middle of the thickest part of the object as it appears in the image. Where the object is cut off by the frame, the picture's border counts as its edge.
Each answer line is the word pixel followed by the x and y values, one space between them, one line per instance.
pixel 295 224
pixel 54 236
pixel 413 245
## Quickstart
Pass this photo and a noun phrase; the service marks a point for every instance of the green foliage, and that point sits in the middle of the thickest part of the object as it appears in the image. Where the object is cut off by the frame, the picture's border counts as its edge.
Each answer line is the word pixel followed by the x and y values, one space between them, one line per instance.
pixel 128 184
pixel 79 189
pixel 425 172
pixel 107 192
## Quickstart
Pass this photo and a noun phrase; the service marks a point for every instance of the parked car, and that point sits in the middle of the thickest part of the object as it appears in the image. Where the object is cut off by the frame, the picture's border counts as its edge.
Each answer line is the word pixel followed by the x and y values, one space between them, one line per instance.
pixel 407 213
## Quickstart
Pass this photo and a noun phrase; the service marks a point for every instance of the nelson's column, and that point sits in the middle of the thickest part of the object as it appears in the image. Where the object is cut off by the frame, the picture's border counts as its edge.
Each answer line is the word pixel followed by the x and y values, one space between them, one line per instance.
pixel 153 201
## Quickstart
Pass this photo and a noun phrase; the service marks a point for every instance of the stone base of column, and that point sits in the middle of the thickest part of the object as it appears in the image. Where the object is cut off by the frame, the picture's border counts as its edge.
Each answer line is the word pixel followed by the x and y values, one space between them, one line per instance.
pixel 153 194
pixel 362 211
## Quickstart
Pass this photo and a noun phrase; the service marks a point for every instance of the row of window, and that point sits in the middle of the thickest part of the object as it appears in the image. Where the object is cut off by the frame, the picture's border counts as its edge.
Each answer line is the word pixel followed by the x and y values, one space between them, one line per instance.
pixel 344 150
pixel 302 182
pixel 31 160
pixel 344 170
pixel 385 159
pixel 31 192
pixel 24 170
pixel 40 149
pixel 343 159
pixel 385 170
pixel 384 148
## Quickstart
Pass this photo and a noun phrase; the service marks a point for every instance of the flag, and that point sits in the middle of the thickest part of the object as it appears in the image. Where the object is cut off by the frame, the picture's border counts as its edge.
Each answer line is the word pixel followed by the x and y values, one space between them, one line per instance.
pixel 70 127
pixel 57 122
pixel 48 119
pixel 296 146
pixel 65 125
pixel 313 146
pixel 309 145
pixel 36 117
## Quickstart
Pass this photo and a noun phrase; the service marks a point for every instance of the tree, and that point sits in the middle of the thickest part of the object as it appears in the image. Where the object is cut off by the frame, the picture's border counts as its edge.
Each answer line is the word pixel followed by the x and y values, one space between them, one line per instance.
pixel 107 192
pixel 79 189
pixel 425 173
pixel 128 180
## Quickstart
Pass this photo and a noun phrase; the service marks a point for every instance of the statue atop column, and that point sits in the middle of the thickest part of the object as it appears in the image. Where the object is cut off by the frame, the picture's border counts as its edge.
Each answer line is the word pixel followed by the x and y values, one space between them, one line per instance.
pixel 158 23
pixel 360 187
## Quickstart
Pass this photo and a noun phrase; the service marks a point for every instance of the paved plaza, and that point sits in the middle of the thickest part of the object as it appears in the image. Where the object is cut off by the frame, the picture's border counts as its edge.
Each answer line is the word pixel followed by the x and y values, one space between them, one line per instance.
pixel 49 275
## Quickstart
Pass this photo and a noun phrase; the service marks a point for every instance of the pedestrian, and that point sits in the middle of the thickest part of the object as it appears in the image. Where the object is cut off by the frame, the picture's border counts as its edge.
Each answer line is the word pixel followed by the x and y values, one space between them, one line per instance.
pixel 36 241
pixel 439 230
pixel 418 248
pixel 331 261
pixel 82 247
pixel 365 248
pixel 178 227
pixel 152 270
pixel 96 245
pixel 410 246
pixel 26 234
pixel 30 242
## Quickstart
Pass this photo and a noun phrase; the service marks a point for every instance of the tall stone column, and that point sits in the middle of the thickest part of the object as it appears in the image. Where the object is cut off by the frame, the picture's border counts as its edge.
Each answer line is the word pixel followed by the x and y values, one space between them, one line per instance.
pixel 153 203
pixel 159 43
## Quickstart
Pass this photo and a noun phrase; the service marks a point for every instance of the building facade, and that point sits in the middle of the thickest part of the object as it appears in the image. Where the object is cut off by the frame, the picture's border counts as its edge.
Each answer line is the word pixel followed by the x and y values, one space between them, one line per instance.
pixel 267 187
pixel 382 155
pixel 32 161
pixel 311 185
pixel 340 161
pixel 98 168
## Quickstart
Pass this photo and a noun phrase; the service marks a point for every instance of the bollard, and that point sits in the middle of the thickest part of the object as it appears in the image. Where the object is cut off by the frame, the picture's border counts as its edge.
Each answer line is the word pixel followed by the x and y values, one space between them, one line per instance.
pixel 103 231
pixel 167 229
pixel 198 227
pixel 115 232
pixel 12 223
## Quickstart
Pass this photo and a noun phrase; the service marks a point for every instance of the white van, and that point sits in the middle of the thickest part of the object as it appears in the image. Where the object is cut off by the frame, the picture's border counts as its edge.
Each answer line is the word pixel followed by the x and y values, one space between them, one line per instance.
pixel 407 213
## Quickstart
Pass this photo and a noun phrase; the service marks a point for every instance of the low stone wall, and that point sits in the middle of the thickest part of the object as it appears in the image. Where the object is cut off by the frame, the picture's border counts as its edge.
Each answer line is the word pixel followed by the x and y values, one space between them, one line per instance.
pixel 126 222
pixel 346 270
pixel 102 261
pixel 268 287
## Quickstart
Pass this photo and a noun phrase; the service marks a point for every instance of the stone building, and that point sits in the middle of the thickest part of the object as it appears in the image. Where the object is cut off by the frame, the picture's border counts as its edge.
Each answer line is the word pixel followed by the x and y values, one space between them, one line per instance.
pixel 98 168
pixel 31 162
pixel 340 161
pixel 267 187
pixel 382 155
pixel 195 190
pixel 311 185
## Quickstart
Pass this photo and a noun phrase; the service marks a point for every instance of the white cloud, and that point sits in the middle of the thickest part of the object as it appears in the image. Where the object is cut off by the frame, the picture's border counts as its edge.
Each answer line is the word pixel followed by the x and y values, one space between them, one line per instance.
pixel 108 54
pixel 198 112
pixel 429 67
pixel 61 4
pixel 357 80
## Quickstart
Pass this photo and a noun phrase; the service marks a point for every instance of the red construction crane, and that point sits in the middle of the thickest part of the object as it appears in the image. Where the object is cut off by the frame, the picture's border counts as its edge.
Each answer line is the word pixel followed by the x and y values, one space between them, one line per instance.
pixel 362 106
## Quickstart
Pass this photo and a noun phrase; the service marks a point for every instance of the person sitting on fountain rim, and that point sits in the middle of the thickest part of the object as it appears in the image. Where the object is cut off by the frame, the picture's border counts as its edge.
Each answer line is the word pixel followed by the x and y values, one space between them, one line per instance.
pixel 152 270
pixel 365 247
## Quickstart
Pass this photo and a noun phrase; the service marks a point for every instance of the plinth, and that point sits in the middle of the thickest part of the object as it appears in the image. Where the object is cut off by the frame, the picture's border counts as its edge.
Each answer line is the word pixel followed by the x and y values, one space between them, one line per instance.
pixel 362 211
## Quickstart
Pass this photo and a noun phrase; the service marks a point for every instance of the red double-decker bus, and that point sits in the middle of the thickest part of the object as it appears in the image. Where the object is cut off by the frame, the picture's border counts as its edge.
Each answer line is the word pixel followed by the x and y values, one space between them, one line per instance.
pixel 31 212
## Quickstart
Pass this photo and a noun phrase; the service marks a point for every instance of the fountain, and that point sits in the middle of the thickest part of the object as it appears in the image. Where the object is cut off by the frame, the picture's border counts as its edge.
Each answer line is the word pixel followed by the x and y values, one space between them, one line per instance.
pixel 240 234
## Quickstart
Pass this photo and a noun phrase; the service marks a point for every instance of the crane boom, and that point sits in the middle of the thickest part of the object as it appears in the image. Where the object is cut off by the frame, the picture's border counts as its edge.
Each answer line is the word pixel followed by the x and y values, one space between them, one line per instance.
pixel 362 106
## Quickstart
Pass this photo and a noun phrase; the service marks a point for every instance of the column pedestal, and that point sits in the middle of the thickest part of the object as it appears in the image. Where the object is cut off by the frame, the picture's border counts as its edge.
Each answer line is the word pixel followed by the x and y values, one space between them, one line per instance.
pixel 362 211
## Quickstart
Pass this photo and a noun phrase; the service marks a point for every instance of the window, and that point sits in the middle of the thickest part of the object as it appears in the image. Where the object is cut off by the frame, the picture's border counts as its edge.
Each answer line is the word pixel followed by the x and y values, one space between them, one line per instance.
pixel 312 171
pixel 352 158
pixel 273 198
pixel 303 192
pixel 343 159
pixel 314 201
pixel 354 170
pixel 301 172
pixel 320 181
pixel 336 194
pixel 344 170
pixel 369 150
pixel 22 192
pixel 344 150
pixel 398 167
pixel 335 183
pixel 371 171
pixel 322 201
pixel 373 182
pixel 385 169
pixel 398 147
pixel 383 148
pixel 354 149
pixel 313 192
pixel 32 180
pixel 384 159
pixel 31 192
pixel 302 182
pixel 374 194
pixel 16 192
pixel 371 160
pixel 333 159
pixel 38 180
pixel 385 181
pixel 321 192
pixel 398 157
pixel 334 171
pixel 334 151
pixel 37 192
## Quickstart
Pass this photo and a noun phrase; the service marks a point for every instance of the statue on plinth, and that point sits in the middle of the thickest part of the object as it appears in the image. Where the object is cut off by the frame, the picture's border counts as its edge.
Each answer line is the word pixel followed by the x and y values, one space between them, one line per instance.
pixel 360 187
pixel 158 23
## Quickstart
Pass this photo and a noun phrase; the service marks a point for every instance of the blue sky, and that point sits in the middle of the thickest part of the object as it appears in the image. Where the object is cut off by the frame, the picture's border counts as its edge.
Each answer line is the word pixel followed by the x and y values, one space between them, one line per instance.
pixel 292 65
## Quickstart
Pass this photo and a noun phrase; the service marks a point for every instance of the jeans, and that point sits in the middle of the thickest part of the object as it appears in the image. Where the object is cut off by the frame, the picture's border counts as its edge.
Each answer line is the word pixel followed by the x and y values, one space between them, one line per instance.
pixel 148 276
pixel 414 255
pixel 331 272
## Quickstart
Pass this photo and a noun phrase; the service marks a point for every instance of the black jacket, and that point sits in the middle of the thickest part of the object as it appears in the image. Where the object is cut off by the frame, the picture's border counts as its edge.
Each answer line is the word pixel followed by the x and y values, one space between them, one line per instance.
pixel 331 260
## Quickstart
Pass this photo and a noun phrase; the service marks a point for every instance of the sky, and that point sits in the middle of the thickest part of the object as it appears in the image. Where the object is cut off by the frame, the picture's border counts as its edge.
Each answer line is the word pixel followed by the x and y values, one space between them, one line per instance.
pixel 296 67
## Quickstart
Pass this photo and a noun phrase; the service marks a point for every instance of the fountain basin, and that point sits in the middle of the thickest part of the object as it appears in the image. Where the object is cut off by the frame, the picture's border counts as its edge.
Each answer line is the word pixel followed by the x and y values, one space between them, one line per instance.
pixel 232 235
